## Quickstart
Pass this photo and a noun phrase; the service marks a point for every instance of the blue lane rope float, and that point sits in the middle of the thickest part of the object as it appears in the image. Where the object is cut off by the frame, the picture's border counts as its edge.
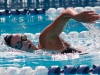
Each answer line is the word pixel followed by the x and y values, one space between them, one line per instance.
pixel 70 69
pixel 84 69
pixel 53 70
pixel 22 12
pixel 96 69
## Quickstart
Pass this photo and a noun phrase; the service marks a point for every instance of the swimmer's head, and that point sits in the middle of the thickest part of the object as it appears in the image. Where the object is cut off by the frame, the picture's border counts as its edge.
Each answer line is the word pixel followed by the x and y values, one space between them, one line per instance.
pixel 8 39
pixel 20 42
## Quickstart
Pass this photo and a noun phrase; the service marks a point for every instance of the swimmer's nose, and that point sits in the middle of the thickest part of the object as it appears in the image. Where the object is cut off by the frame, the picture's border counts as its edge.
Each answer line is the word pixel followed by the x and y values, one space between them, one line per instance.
pixel 24 42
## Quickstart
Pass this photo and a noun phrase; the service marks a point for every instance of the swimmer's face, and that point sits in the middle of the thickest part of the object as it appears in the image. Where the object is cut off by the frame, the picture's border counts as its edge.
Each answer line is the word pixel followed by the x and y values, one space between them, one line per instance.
pixel 22 42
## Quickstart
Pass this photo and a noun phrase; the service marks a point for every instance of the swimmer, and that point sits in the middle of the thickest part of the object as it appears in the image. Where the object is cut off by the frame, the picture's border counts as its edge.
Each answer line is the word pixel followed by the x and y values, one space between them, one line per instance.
pixel 49 38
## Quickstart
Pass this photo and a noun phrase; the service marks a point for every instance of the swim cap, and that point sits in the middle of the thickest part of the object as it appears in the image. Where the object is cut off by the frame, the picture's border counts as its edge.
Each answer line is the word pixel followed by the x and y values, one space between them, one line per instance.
pixel 8 39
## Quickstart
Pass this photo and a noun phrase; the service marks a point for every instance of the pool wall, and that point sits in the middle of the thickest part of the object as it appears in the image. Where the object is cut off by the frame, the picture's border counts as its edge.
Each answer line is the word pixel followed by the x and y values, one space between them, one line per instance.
pixel 18 4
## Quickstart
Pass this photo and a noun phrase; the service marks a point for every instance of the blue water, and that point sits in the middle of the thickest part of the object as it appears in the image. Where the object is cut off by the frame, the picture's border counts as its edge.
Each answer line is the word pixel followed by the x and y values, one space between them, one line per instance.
pixel 32 24
pixel 35 24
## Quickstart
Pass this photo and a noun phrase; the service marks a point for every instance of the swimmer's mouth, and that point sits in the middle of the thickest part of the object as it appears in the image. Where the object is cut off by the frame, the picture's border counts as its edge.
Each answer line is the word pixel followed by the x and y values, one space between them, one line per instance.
pixel 29 46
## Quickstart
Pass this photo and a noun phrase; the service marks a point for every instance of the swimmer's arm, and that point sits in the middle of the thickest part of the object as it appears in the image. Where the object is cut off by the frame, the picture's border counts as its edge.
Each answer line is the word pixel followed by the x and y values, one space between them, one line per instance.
pixel 85 16
pixel 57 26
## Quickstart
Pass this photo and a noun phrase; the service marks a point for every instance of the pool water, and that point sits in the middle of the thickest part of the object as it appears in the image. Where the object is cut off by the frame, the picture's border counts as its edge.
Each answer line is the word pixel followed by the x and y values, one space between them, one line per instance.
pixel 32 24
pixel 84 36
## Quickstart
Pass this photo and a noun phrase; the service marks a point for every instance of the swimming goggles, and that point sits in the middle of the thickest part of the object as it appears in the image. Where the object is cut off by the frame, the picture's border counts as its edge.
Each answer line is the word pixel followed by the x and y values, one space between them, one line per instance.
pixel 20 43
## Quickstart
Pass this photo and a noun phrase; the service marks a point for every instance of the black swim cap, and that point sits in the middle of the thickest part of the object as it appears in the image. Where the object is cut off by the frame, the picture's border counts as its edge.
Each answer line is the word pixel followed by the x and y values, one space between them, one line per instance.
pixel 8 39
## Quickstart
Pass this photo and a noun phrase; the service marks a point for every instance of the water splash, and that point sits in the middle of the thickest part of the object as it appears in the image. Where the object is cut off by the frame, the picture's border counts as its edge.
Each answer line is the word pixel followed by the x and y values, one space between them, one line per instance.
pixel 87 40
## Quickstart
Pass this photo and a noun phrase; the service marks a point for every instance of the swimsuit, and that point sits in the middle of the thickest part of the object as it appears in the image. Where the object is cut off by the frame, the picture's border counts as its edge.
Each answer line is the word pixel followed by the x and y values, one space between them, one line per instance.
pixel 70 50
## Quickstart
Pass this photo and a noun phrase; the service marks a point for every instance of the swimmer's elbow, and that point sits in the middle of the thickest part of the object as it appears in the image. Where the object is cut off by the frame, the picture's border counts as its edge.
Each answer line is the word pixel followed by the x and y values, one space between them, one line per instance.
pixel 69 12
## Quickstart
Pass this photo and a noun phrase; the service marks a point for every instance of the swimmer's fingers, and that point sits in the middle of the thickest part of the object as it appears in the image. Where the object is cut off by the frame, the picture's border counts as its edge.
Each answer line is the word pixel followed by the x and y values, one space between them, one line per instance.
pixel 89 13
pixel 92 14
pixel 92 18
pixel 86 16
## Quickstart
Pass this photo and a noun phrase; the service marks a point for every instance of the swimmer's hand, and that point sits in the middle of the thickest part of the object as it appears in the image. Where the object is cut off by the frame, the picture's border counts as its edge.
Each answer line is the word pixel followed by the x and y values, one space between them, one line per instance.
pixel 86 16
